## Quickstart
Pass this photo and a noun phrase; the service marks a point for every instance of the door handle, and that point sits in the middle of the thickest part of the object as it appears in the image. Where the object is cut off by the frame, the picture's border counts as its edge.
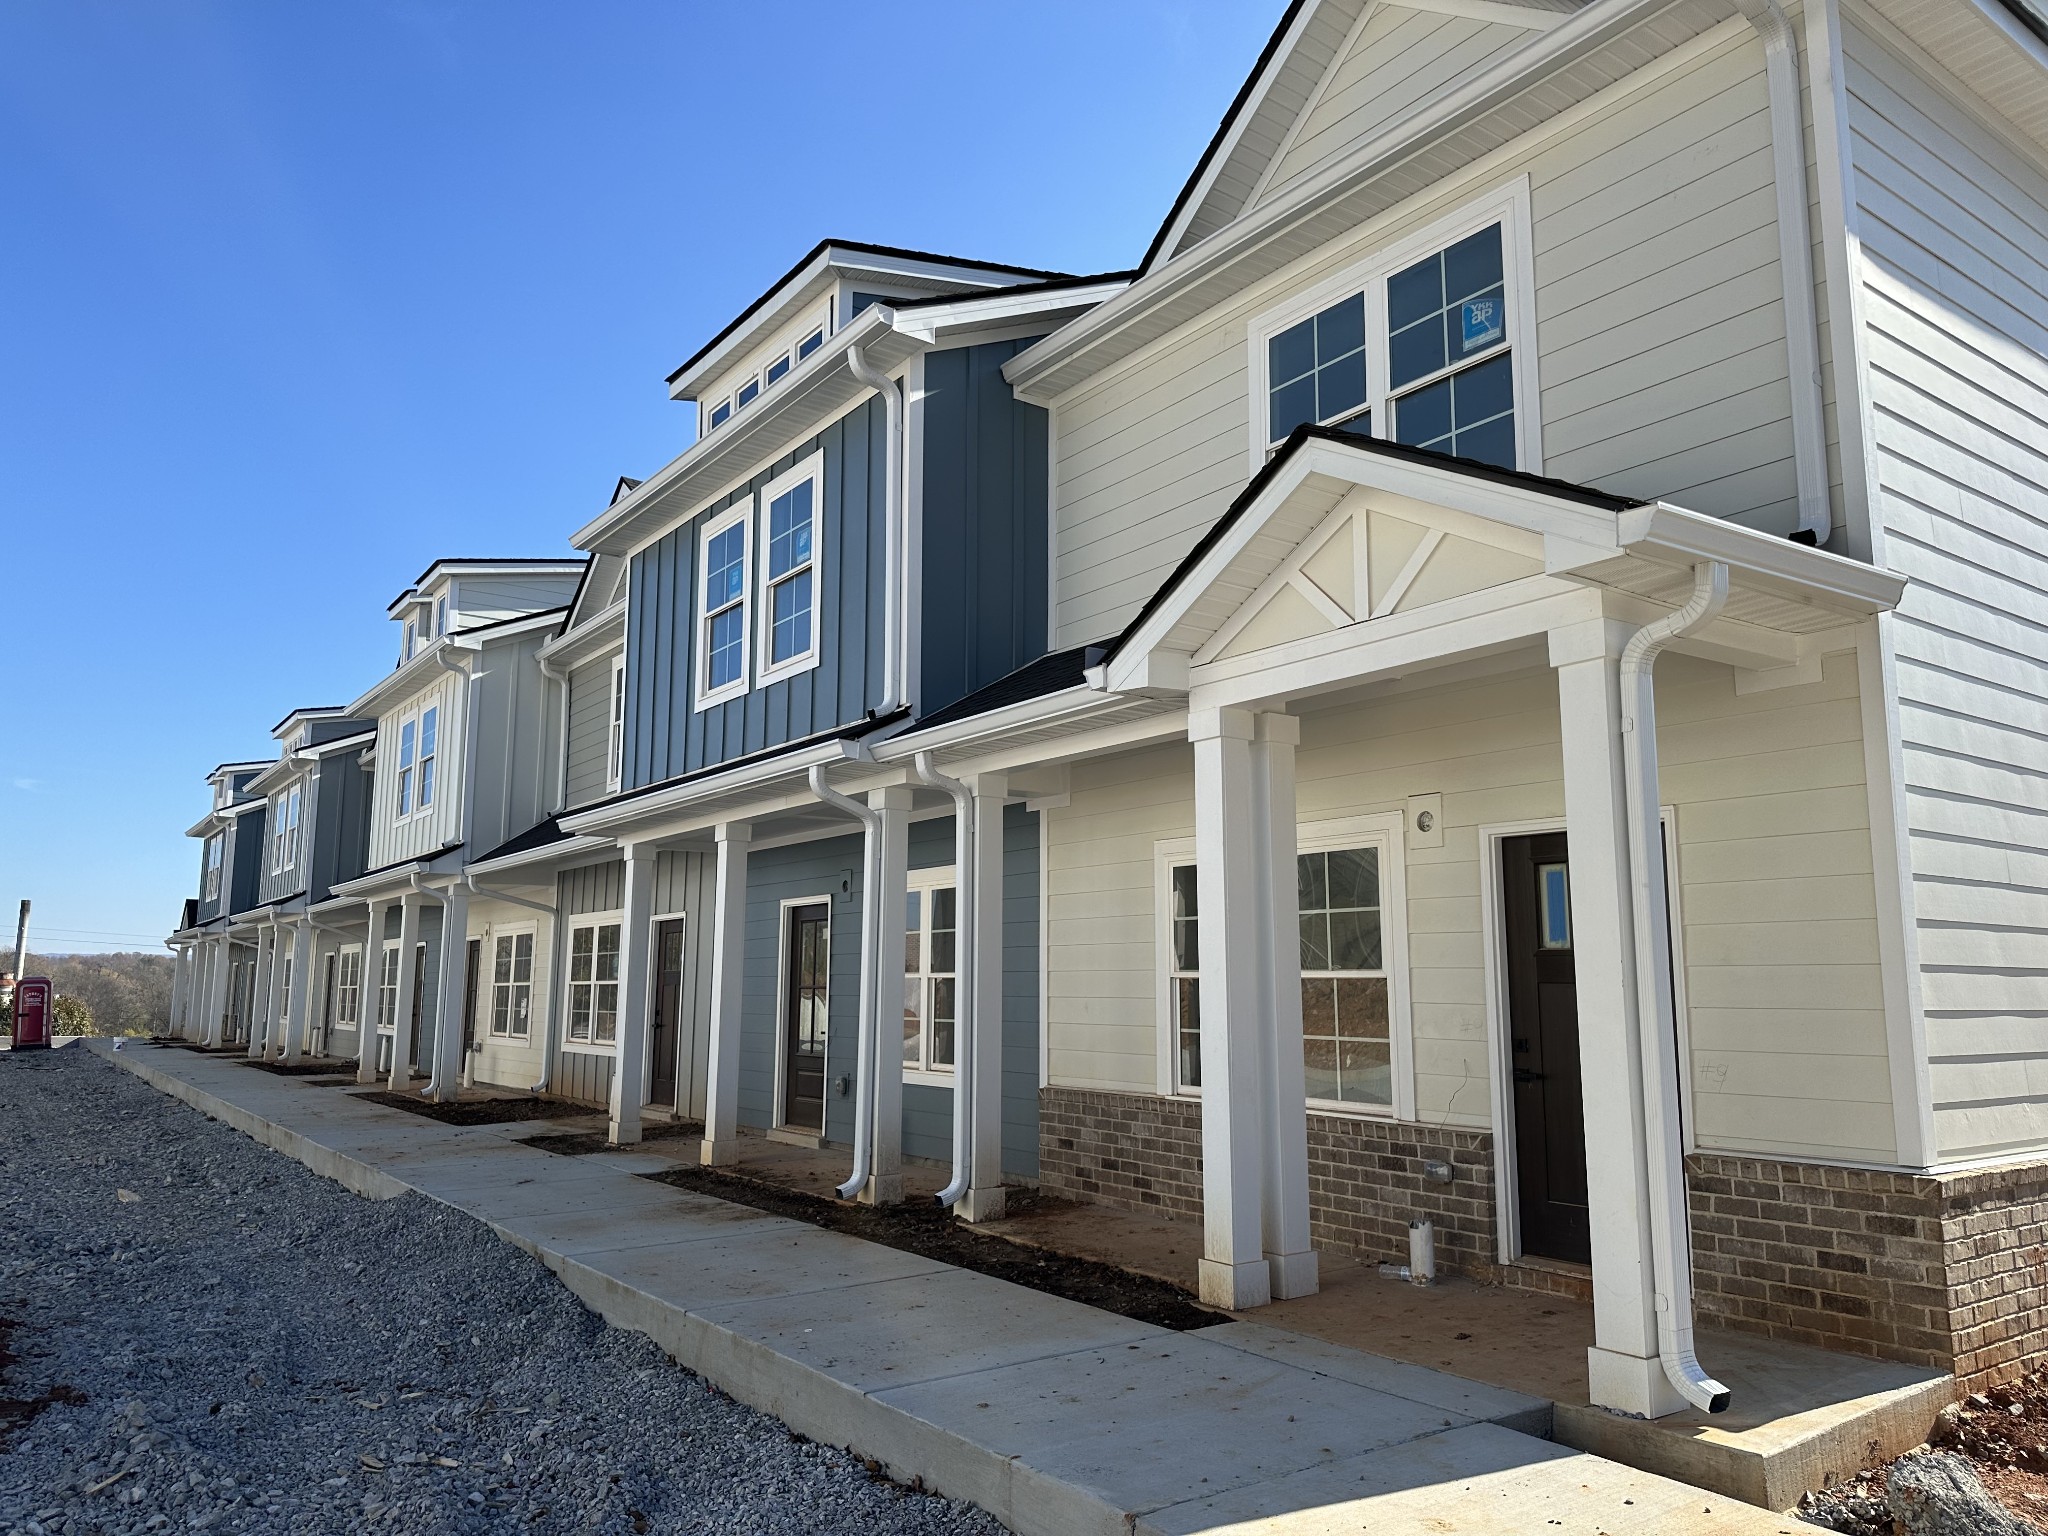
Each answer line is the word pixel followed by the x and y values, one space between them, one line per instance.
pixel 1526 1075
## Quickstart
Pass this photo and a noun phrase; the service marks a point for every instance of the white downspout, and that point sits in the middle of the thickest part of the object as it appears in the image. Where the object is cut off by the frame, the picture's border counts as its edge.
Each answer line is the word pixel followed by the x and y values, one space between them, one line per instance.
pixel 893 688
pixel 1795 265
pixel 467 715
pixel 866 1062
pixel 964 919
pixel 1670 1226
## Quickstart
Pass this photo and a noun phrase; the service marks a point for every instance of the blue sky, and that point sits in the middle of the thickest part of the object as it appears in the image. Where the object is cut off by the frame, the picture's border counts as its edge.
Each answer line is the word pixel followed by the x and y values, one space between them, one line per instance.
pixel 302 297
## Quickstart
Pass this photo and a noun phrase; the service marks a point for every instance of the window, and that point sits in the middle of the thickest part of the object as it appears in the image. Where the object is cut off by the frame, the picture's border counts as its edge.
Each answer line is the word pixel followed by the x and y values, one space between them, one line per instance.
pixel 348 987
pixel 721 413
pixel 930 975
pixel 722 628
pixel 284 994
pixel 1417 345
pixel 284 831
pixel 1183 976
pixel 789 577
pixel 210 890
pixel 408 750
pixel 615 740
pixel 810 344
pixel 512 985
pixel 744 396
pixel 387 987
pixel 594 984
pixel 777 368
pixel 411 639
pixel 441 615
pixel 418 749
pixel 429 719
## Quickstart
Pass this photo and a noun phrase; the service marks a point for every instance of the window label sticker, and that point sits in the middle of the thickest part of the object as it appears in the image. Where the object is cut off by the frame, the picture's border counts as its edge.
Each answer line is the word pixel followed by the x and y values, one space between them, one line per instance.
pixel 1484 322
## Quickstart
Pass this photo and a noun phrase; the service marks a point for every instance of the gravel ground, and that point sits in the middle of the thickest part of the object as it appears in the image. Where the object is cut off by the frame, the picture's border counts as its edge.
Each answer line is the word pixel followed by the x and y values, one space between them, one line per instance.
pixel 207 1336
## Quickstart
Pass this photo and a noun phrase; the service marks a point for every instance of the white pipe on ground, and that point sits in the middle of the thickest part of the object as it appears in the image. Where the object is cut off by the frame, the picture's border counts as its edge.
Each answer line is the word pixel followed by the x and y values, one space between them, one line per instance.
pixel 1670 1237
pixel 964 918
pixel 867 1060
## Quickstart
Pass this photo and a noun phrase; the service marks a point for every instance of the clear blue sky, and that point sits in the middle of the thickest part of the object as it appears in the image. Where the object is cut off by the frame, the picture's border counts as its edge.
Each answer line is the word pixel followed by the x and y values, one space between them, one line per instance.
pixel 301 297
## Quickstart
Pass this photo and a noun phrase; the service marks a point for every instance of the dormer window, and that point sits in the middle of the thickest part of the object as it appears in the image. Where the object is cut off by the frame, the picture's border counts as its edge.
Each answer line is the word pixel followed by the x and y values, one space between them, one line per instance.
pixel 441 615
pixel 722 617
pixel 210 888
pixel 747 394
pixel 777 368
pixel 411 640
pixel 721 413
pixel 810 344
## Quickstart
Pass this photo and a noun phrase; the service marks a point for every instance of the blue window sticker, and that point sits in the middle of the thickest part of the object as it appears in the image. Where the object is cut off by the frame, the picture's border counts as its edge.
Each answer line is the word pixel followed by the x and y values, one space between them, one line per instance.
pixel 1483 321
pixel 1553 890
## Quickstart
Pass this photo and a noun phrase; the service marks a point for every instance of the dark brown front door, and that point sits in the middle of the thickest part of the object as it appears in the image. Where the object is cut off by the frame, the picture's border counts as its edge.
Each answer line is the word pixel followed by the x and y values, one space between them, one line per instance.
pixel 473 962
pixel 665 1027
pixel 806 1007
pixel 419 993
pixel 327 1003
pixel 1543 1034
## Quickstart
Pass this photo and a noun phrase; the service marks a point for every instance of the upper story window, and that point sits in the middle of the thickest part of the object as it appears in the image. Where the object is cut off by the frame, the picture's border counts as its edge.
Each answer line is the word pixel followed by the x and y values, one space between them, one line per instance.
pixel 615 738
pixel 412 641
pixel 210 886
pixel 789 576
pixel 284 831
pixel 441 615
pixel 1425 344
pixel 417 749
pixel 721 413
pixel 722 615
pixel 772 372
pixel 810 344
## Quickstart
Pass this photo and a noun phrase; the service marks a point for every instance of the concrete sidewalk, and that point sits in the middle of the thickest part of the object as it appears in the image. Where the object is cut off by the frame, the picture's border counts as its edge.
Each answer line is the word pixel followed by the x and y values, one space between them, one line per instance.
pixel 1054 1416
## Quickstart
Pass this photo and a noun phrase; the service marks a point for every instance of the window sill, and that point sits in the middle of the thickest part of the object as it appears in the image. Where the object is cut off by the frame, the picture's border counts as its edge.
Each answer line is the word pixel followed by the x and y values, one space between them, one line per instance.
pixel 783 671
pixel 724 695
pixel 588 1048
pixel 929 1079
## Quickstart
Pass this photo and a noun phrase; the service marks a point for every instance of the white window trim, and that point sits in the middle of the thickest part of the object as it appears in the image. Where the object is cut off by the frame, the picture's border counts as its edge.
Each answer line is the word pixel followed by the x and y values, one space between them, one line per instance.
pixel 570 926
pixel 214 856
pixel 777 1110
pixel 487 1000
pixel 284 838
pixel 927 881
pixel 389 947
pixel 813 470
pixel 615 726
pixel 1384 831
pixel 1507 206
pixel 342 955
pixel 415 716
pixel 819 325
pixel 741 512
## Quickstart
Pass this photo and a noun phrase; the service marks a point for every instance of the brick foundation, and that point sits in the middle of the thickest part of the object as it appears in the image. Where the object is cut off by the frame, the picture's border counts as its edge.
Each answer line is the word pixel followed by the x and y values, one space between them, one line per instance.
pixel 1946 1270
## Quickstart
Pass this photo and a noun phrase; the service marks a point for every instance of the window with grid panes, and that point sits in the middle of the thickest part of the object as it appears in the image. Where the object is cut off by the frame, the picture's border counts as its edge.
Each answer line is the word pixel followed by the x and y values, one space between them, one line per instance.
pixel 791 585
pixel 930 979
pixel 594 983
pixel 511 985
pixel 1184 975
pixel 725 606
pixel 1447 356
pixel 1345 1035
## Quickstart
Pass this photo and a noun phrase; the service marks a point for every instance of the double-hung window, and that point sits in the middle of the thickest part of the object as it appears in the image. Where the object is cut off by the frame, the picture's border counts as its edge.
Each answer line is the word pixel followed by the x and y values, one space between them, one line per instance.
pixel 722 615
pixel 430 718
pixel 1184 975
pixel 615 735
pixel 408 761
pixel 387 987
pixel 1417 344
pixel 418 749
pixel 512 985
pixel 789 573
pixel 594 983
pixel 441 615
pixel 348 987
pixel 210 889
pixel 284 831
pixel 931 1005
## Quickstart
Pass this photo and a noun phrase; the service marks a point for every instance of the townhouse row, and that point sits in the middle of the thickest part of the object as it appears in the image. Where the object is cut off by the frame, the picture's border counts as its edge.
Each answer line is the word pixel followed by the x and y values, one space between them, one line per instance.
pixel 1496 677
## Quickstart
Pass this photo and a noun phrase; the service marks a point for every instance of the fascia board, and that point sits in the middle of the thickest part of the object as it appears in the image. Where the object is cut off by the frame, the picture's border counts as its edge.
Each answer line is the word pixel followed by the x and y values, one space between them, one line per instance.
pixel 339 744
pixel 616 821
pixel 401 682
pixel 592 637
pixel 947 322
pixel 755 437
pixel 1077 702
pixel 243 807
pixel 1680 537
pixel 569 847
pixel 1030 371
pixel 205 826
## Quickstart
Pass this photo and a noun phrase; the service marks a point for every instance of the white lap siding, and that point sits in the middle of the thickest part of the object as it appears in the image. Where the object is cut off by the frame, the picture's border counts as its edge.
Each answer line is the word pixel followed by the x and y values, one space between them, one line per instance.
pixel 508 1061
pixel 1659 323
pixel 1787 1033
pixel 1954 290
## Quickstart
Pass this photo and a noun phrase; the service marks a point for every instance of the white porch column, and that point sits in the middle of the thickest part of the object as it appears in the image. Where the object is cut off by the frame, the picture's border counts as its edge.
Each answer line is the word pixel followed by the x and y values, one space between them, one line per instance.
pixel 302 991
pixel 1234 1272
pixel 370 996
pixel 259 993
pixel 885 907
pixel 728 971
pixel 180 973
pixel 636 939
pixel 1285 1215
pixel 1622 1367
pixel 453 994
pixel 401 1022
pixel 984 1200
pixel 217 973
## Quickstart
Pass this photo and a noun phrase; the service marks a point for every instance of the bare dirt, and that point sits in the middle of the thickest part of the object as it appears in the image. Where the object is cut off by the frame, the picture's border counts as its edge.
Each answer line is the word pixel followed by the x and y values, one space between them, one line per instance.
pixel 473 1111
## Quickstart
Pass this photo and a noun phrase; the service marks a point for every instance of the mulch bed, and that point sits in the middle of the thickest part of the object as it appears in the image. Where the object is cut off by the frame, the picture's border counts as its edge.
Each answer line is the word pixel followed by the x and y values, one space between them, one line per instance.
pixel 297 1068
pixel 472 1111
pixel 583 1143
pixel 922 1227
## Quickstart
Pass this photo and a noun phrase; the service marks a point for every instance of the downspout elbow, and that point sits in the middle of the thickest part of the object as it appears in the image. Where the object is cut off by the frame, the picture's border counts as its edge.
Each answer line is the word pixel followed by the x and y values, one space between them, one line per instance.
pixel 965 919
pixel 893 683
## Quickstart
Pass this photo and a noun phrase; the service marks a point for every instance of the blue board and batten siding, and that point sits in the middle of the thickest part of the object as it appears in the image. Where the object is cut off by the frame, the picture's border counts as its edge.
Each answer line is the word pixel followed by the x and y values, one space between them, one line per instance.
pixel 666 735
pixel 243 860
pixel 984 549
pixel 341 827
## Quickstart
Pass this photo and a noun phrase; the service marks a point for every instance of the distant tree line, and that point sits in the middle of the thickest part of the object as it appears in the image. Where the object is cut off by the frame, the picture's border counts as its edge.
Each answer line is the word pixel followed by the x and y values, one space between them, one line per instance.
pixel 119 994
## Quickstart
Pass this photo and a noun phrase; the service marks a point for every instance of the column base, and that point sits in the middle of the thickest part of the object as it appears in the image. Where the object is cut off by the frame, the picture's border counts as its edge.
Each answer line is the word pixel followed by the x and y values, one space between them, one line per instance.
pixel 1293 1274
pixel 366 1077
pixel 882 1189
pixel 1235 1287
pixel 982 1204
pixel 717 1154
pixel 1630 1384
pixel 624 1133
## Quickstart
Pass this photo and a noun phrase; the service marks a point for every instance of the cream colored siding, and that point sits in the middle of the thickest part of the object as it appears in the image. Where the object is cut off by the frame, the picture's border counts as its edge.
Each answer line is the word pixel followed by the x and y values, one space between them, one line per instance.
pixel 590 717
pixel 1787 1032
pixel 1661 354
pixel 503 1060
pixel 1954 289
pixel 488 599
pixel 390 839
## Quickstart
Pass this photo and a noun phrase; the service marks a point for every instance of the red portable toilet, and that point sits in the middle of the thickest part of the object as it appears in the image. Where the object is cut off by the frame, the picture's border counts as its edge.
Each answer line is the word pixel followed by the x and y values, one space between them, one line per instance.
pixel 32 998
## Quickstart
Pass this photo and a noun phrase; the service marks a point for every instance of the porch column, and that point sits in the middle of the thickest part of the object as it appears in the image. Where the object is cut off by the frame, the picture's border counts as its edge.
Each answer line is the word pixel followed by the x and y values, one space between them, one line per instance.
pixel 179 975
pixel 728 971
pixel 370 996
pixel 453 995
pixel 1234 1272
pixel 401 1021
pixel 1622 1368
pixel 885 908
pixel 259 991
pixel 636 934
pixel 302 991
pixel 1285 1224
pixel 216 991
pixel 984 1200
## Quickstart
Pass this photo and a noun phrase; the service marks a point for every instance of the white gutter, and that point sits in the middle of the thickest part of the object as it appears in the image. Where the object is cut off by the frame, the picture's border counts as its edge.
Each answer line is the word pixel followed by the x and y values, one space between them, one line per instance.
pixel 965 1023
pixel 1795 266
pixel 1670 1236
pixel 893 687
pixel 866 1065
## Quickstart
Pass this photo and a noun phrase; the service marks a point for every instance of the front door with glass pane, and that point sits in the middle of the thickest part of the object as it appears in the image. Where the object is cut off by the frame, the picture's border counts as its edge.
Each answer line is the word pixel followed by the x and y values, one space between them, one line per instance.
pixel 806 1009
pixel 665 1024
pixel 1543 1038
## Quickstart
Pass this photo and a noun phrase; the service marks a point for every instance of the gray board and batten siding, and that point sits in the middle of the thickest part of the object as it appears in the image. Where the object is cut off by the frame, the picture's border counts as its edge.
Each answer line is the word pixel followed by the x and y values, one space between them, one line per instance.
pixel 242 859
pixel 590 713
pixel 986 490
pixel 512 773
pixel 341 826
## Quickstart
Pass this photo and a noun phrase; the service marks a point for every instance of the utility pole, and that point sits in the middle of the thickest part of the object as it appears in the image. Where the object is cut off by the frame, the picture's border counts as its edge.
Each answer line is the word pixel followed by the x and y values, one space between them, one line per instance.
pixel 21 941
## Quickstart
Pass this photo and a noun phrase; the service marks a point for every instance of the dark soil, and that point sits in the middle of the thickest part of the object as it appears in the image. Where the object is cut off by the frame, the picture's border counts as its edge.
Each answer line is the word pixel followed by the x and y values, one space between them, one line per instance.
pixel 296 1068
pixel 583 1143
pixel 472 1111
pixel 922 1227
